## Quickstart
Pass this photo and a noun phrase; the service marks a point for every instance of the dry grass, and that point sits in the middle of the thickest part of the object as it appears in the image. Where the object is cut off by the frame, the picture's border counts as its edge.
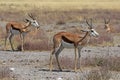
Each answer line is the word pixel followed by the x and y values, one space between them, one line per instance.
pixel 63 17
pixel 44 15
pixel 109 63
pixel 33 46
pixel 5 73
pixel 103 40
pixel 61 0
pixel 102 74
pixel 61 5
pixel 66 63
pixel 38 41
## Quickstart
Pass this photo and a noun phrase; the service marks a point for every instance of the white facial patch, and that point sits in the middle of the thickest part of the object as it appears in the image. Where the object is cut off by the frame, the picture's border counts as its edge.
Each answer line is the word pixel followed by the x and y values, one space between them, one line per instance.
pixel 35 23
pixel 94 33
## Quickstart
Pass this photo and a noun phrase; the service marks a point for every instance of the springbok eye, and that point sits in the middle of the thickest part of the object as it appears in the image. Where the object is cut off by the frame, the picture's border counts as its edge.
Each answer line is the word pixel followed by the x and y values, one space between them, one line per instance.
pixel 92 31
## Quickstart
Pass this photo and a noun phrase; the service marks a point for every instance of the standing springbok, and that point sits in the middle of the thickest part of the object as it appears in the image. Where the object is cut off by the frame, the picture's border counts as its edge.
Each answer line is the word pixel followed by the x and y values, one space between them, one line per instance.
pixel 13 28
pixel 107 25
pixel 71 40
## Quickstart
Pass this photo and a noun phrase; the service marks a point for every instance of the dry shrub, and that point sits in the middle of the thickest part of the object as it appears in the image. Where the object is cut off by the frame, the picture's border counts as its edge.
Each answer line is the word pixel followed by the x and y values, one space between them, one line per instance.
pixel 47 15
pixel 60 22
pixel 2 33
pixel 102 40
pixel 106 38
pixel 5 73
pixel 118 29
pixel 38 45
pixel 102 74
pixel 61 17
pixel 112 63
pixel 66 62
pixel 96 61
pixel 40 34
pixel 36 41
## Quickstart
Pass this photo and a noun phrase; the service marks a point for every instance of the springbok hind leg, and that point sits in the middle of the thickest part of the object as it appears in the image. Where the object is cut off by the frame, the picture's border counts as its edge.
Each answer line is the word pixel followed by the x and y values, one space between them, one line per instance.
pixel 56 51
pixel 10 40
pixel 79 55
pixel 57 54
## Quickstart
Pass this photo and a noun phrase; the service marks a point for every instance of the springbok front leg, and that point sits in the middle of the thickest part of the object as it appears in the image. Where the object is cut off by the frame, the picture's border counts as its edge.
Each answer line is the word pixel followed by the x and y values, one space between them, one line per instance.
pixel 51 60
pixel 6 38
pixel 76 59
pixel 22 39
pixel 10 40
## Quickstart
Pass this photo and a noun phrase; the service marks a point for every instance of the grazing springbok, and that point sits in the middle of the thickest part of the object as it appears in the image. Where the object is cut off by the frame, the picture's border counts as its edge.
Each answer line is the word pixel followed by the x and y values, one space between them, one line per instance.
pixel 107 25
pixel 63 40
pixel 13 28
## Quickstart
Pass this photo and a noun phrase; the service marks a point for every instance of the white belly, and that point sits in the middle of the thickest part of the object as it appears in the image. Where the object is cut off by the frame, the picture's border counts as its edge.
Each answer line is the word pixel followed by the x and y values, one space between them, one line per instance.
pixel 68 45
pixel 15 31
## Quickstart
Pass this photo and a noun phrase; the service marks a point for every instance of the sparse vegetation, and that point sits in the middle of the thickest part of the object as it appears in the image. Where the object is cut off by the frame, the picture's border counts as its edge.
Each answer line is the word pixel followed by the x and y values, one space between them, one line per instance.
pixel 38 45
pixel 49 15
pixel 66 62
pixel 62 17
pixel 109 63
pixel 38 41
pixel 5 73
pixel 55 16
pixel 102 74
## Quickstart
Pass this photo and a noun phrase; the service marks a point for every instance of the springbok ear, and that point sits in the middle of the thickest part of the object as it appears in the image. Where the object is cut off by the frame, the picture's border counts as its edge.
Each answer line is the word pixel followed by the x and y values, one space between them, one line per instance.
pixel 27 20
pixel 84 30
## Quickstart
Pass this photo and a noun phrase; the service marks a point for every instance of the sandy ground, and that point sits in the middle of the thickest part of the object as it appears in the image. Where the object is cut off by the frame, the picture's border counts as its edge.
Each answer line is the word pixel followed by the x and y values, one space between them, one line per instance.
pixel 35 65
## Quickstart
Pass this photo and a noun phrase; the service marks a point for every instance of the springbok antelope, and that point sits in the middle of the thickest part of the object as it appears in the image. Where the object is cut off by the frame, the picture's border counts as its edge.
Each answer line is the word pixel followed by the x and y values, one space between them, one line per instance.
pixel 13 28
pixel 107 25
pixel 63 40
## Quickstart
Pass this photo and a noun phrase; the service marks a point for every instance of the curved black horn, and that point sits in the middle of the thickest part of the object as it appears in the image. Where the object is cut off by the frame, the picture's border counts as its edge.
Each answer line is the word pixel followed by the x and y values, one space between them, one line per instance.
pixel 106 21
pixel 91 22
pixel 31 16
pixel 90 25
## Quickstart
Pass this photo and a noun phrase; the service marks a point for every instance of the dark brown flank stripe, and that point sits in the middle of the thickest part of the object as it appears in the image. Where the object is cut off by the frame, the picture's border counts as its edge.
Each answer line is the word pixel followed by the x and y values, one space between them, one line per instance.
pixel 71 42
pixel 67 40
pixel 14 27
